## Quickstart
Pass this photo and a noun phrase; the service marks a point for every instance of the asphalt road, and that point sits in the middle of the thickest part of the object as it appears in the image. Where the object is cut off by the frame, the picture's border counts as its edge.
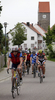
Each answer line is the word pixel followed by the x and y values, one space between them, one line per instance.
pixel 31 88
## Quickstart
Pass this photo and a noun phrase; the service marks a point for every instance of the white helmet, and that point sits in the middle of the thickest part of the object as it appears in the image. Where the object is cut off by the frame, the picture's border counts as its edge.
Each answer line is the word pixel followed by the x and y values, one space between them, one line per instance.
pixel 27 51
pixel 14 48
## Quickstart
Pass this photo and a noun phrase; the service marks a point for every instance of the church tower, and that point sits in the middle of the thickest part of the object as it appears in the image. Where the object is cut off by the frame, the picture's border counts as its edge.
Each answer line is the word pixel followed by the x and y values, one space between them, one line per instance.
pixel 44 15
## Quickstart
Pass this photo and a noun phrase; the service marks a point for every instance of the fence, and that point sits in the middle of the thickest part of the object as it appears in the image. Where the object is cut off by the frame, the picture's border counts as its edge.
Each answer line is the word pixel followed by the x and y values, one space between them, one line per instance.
pixel 2 61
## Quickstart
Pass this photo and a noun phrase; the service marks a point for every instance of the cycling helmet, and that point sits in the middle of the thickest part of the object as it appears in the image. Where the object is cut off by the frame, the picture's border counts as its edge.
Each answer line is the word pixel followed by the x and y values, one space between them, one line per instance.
pixel 27 51
pixel 23 51
pixel 33 52
pixel 40 51
pixel 14 48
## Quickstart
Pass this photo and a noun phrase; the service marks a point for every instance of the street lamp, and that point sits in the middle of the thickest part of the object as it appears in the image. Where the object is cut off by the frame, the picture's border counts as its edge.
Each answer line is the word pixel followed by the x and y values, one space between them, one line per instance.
pixel 5 25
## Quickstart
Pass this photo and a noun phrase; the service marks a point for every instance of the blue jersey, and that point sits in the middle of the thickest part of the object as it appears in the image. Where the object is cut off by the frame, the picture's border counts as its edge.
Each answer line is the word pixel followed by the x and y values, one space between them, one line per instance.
pixel 33 58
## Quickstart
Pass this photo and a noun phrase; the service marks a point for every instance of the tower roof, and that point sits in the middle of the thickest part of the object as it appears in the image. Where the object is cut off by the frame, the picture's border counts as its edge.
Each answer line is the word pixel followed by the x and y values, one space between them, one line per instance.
pixel 44 7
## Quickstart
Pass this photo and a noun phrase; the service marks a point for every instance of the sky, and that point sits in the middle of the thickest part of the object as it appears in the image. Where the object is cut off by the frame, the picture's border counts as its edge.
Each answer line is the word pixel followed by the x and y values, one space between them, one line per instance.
pixel 14 11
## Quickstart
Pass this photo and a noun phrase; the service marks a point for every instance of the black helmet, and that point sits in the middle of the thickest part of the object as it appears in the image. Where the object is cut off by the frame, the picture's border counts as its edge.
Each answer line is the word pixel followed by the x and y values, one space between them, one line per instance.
pixel 33 52
pixel 23 51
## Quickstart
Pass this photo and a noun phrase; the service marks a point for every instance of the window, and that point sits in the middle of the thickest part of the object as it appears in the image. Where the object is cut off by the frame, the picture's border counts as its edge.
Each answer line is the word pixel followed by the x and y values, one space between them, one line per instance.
pixel 32 38
pixel 25 45
pixel 32 45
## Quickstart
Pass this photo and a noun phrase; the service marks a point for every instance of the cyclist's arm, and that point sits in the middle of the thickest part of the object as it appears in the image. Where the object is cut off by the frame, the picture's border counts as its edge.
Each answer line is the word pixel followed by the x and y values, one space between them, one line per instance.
pixel 21 59
pixel 36 59
pixel 8 63
pixel 45 57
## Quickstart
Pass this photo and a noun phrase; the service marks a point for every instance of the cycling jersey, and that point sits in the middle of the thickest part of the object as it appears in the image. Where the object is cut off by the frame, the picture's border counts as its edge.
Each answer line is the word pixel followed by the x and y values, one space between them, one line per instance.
pixel 33 58
pixel 15 58
pixel 41 57
pixel 24 56
pixel 28 57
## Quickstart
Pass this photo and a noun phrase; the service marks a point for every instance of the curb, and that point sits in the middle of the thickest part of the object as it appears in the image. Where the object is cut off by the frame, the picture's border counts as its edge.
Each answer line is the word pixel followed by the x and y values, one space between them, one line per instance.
pixel 5 78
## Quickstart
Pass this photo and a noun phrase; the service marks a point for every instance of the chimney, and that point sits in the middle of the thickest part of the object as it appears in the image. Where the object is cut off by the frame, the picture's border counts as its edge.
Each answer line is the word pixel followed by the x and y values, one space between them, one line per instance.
pixel 28 23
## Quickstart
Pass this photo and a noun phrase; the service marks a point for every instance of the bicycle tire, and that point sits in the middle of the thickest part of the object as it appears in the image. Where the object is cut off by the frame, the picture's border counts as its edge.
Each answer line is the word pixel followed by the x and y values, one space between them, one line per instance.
pixel 14 89
pixel 18 85
pixel 18 90
pixel 41 76
pixel 27 68
pixel 34 71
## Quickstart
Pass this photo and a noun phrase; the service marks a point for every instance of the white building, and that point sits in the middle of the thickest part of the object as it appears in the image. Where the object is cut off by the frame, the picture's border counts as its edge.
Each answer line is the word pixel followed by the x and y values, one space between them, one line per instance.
pixel 34 37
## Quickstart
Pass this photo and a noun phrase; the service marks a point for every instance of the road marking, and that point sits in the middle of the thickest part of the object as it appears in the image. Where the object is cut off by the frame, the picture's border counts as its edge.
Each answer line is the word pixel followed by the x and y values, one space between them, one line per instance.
pixel 7 78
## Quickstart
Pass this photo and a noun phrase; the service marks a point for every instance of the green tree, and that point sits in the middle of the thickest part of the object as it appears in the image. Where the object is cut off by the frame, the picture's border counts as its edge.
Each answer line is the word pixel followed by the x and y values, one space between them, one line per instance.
pixel 18 34
pixel 0 8
pixel 53 33
pixel 1 36
pixel 48 37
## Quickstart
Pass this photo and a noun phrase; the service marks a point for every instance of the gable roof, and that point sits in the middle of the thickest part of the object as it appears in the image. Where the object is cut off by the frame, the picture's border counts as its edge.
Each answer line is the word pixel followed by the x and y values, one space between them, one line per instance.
pixel 44 7
pixel 33 28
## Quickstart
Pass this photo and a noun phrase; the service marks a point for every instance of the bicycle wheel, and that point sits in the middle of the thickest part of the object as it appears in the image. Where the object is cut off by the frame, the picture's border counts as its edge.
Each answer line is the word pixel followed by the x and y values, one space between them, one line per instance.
pixel 34 72
pixel 14 88
pixel 41 76
pixel 18 90
pixel 27 68
pixel 18 85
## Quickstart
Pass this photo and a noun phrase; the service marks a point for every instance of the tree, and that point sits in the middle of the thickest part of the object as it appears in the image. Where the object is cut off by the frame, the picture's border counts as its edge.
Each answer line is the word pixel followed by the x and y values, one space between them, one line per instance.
pixel 53 33
pixel 48 37
pixel 1 35
pixel 18 34
pixel 0 8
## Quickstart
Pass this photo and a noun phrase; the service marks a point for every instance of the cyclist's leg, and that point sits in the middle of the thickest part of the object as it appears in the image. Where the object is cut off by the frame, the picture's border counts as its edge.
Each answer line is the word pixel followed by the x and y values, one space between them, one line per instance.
pixel 12 71
pixel 20 71
pixel 38 68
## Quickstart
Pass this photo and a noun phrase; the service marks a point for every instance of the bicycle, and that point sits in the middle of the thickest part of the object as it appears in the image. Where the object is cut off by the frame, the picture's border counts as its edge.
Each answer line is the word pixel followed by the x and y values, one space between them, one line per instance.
pixel 41 72
pixel 15 82
pixel 34 70
pixel 28 66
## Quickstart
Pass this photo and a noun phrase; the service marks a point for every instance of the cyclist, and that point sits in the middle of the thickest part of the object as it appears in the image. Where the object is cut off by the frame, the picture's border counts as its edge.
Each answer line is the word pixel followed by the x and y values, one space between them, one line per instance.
pixel 16 58
pixel 41 59
pixel 33 59
pixel 24 55
pixel 28 58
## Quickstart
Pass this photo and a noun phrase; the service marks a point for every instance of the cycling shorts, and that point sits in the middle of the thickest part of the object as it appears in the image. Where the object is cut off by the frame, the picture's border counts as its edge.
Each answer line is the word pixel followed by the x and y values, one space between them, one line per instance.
pixel 28 62
pixel 33 61
pixel 15 65
pixel 41 62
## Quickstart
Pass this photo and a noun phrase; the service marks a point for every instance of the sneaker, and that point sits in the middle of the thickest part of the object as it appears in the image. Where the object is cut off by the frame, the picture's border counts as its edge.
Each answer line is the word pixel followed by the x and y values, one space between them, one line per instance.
pixel 32 72
pixel 43 76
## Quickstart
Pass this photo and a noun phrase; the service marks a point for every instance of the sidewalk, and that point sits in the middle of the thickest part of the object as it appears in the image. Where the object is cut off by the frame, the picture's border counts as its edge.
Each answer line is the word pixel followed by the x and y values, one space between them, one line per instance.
pixel 4 75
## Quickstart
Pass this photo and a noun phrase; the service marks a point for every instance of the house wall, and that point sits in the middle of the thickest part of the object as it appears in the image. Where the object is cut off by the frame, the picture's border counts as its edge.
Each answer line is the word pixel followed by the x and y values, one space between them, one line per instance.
pixel 29 42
